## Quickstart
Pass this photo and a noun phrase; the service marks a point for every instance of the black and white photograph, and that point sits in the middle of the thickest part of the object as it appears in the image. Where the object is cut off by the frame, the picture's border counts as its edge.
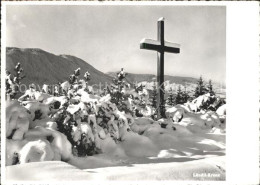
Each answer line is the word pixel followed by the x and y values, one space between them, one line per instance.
pixel 114 92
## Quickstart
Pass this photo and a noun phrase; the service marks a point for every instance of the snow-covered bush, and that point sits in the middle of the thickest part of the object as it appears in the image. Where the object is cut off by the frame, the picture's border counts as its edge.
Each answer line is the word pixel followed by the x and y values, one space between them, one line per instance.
pixel 12 82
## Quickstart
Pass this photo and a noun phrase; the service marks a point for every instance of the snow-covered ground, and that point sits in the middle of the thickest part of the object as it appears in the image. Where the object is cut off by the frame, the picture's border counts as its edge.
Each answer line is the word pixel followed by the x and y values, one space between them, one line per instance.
pixel 205 169
pixel 184 153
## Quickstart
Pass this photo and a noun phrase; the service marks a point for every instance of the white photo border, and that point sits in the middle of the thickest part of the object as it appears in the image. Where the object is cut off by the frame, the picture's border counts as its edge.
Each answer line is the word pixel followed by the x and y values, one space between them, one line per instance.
pixel 242 83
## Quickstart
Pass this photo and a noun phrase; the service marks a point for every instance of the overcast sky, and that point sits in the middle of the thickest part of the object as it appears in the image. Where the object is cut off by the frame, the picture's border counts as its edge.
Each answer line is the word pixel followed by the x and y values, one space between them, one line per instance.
pixel 108 37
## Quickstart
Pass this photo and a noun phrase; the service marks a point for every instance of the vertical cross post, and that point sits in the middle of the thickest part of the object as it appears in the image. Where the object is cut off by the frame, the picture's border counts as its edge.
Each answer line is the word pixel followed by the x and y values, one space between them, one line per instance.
pixel 160 68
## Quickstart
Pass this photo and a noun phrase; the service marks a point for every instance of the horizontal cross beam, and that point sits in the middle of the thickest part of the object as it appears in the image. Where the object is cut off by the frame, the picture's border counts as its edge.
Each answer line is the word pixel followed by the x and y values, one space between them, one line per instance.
pixel 156 46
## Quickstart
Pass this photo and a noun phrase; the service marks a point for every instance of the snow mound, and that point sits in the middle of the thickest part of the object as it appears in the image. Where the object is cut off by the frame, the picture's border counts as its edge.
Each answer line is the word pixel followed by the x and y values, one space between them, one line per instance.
pixel 36 151
pixel 46 123
pixel 109 147
pixel 136 145
pixel 58 140
pixel 12 149
pixel 17 122
pixel 221 111
pixel 163 138
pixel 141 124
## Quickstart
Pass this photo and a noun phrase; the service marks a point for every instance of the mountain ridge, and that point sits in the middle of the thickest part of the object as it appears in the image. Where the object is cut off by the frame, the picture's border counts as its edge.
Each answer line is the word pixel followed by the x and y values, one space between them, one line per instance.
pixel 42 67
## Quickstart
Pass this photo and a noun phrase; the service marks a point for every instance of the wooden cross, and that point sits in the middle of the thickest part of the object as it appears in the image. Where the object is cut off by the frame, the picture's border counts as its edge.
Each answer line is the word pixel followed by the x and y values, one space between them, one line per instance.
pixel 161 46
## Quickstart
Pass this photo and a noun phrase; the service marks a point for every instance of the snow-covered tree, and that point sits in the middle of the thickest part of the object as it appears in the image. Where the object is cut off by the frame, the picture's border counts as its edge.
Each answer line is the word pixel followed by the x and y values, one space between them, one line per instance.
pixel 210 88
pixel 87 76
pixel 185 95
pixel 200 89
pixel 117 96
pixel 170 99
pixel 178 97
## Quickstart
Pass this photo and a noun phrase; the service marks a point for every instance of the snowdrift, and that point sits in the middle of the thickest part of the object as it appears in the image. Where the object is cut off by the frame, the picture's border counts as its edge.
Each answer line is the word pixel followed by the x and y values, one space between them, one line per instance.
pixel 196 170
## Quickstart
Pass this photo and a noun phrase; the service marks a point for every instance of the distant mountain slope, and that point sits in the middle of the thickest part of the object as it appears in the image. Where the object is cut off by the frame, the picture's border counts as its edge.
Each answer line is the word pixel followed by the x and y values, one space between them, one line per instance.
pixel 42 67
pixel 133 78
